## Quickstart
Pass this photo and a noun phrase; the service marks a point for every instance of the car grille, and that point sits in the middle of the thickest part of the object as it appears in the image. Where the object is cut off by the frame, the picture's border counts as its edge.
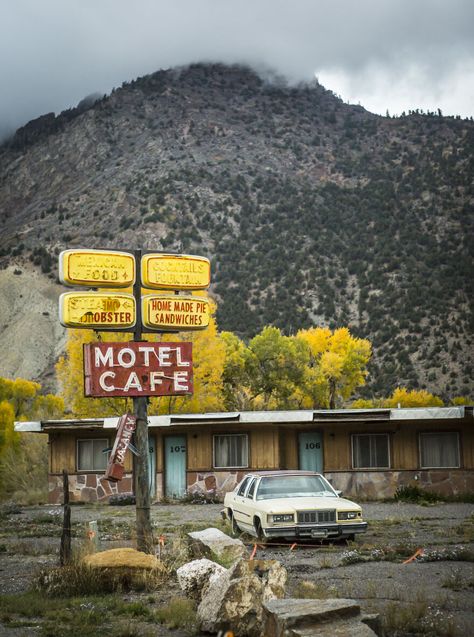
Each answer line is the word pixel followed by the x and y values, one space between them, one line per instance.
pixel 316 517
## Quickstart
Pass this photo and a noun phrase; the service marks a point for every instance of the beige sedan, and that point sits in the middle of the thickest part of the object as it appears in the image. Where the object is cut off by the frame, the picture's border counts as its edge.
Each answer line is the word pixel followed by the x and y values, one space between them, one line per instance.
pixel 291 504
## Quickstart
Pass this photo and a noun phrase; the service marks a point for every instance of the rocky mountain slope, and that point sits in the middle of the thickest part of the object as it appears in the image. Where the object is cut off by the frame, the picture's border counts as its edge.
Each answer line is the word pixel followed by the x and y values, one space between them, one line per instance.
pixel 313 211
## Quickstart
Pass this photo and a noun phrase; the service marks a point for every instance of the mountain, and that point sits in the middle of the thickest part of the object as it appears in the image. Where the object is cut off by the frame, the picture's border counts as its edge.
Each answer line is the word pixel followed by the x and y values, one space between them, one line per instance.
pixel 313 211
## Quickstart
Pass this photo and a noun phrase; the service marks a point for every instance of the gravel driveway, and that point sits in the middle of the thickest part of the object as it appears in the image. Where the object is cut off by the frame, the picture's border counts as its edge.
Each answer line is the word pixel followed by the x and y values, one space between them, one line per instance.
pixel 438 587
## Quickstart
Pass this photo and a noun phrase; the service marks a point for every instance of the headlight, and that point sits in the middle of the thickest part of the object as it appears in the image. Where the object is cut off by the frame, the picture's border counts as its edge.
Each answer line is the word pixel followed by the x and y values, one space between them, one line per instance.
pixel 348 515
pixel 282 517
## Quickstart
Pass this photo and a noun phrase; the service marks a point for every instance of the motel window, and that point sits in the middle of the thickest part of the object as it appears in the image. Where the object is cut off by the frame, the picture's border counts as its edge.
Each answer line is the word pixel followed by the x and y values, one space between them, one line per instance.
pixel 439 450
pixel 90 454
pixel 370 451
pixel 231 450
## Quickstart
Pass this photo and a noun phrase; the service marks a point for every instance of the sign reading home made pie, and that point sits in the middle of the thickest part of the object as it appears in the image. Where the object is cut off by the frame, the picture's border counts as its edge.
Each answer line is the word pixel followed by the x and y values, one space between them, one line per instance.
pixel 138 369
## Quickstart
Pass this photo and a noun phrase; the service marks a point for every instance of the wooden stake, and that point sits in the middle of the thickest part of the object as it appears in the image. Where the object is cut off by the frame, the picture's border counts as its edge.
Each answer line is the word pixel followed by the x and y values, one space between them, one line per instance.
pixel 65 548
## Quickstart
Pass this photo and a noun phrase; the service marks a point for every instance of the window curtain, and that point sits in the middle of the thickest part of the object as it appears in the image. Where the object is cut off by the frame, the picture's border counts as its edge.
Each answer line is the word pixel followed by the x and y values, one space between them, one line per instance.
pixel 230 451
pixel 439 450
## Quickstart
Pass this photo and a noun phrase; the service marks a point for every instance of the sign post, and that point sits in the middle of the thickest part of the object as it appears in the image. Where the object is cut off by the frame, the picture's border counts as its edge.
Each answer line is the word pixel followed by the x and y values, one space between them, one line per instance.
pixel 137 369
pixel 140 462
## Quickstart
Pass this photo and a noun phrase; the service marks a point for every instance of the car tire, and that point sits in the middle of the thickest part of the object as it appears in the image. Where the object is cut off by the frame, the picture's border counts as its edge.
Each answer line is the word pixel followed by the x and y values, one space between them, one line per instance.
pixel 350 538
pixel 257 525
pixel 235 529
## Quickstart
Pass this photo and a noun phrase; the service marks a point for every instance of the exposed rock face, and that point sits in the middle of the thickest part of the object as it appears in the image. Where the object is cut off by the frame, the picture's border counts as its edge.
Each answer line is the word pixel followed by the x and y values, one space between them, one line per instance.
pixel 366 219
pixel 235 600
pixel 205 543
pixel 195 577
pixel 315 617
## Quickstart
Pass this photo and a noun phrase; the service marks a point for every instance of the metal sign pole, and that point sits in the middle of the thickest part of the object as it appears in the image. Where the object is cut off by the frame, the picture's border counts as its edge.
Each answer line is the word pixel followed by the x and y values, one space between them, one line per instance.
pixel 140 462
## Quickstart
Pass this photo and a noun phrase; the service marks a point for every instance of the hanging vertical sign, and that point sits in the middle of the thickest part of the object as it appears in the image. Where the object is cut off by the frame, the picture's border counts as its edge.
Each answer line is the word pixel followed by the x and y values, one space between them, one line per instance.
pixel 125 428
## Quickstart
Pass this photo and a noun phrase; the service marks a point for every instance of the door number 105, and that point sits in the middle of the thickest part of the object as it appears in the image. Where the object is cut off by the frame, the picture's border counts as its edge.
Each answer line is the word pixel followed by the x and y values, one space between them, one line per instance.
pixel 313 445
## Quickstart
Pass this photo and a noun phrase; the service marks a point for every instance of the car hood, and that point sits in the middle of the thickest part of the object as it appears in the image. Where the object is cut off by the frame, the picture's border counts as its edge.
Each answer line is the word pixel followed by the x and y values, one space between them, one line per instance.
pixel 288 505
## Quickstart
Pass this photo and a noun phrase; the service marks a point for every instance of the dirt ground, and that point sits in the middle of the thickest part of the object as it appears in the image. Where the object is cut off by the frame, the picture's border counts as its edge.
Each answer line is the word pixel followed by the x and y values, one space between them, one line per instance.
pixel 430 595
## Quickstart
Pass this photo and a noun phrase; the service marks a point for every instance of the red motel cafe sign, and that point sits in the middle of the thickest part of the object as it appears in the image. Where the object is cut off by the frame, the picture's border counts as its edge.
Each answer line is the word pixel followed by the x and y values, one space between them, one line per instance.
pixel 138 369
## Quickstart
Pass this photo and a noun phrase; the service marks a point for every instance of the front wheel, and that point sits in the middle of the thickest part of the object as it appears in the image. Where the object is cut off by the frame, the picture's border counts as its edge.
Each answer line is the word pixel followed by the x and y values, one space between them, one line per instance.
pixel 234 526
pixel 257 525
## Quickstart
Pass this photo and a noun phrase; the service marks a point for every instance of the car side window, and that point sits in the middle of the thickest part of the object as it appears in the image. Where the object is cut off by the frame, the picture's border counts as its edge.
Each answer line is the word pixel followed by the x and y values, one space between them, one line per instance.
pixel 243 486
pixel 252 486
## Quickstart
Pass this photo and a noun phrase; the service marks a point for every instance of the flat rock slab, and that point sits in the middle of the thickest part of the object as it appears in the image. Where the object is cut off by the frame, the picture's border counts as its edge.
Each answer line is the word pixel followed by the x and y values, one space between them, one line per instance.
pixel 213 541
pixel 305 617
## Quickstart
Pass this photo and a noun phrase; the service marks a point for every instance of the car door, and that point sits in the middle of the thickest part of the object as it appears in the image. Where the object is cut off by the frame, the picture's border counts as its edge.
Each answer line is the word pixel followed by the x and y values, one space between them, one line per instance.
pixel 239 511
pixel 247 505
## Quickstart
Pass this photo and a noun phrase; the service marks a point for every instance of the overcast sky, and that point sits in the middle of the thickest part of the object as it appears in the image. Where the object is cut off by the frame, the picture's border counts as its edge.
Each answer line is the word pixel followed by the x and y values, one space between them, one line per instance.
pixel 390 55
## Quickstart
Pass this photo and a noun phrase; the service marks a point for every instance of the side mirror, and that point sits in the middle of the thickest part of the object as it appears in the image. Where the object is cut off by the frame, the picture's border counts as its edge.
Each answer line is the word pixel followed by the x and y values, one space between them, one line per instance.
pixel 338 493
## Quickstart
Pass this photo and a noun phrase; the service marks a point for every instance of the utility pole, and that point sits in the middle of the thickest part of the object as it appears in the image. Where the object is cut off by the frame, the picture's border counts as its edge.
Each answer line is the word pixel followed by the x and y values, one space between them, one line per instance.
pixel 140 462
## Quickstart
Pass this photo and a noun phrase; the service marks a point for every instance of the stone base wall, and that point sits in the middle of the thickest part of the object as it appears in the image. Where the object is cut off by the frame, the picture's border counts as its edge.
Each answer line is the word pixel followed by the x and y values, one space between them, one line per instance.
pixel 374 485
pixel 87 487
pixel 218 482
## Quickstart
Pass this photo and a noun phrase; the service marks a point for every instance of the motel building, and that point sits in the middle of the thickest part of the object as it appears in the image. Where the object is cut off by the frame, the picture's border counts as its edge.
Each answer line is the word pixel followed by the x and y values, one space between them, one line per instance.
pixel 367 454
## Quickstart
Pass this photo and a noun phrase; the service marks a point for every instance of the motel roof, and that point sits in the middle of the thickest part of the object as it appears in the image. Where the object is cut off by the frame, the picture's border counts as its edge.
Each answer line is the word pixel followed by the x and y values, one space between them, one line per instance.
pixel 261 417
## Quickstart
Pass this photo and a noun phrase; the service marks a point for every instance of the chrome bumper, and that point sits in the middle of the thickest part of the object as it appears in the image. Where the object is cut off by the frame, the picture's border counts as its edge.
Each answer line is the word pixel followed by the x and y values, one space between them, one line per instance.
pixel 316 531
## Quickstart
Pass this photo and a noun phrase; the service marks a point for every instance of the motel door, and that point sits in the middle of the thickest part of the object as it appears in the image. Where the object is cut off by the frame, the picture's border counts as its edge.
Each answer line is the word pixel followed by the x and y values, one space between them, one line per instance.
pixel 175 466
pixel 310 451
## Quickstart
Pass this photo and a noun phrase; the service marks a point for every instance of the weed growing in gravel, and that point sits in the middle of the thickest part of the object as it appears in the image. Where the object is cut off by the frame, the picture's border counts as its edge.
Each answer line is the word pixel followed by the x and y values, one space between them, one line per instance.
pixel 417 618
pixel 179 613
pixel 315 590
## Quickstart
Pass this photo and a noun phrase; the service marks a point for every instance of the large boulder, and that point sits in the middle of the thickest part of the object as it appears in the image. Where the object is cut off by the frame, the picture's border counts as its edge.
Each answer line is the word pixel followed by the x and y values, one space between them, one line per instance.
pixel 214 542
pixel 195 577
pixel 234 601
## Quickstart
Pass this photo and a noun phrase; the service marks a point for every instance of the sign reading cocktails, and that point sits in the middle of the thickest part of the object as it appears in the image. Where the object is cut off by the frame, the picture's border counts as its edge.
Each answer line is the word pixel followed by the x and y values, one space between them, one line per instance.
pixel 138 369
pixel 97 268
pixel 175 272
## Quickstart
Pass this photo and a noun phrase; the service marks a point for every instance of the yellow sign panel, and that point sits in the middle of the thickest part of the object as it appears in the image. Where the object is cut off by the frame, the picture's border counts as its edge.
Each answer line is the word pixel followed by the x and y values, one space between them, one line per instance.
pixel 97 268
pixel 175 272
pixel 173 312
pixel 97 310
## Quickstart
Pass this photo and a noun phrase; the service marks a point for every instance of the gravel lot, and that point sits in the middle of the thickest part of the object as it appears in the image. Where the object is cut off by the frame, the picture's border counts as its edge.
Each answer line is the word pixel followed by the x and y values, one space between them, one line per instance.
pixel 371 570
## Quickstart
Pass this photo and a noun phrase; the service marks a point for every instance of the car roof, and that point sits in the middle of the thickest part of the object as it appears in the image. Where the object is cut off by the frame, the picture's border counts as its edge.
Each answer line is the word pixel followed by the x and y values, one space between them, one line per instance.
pixel 283 472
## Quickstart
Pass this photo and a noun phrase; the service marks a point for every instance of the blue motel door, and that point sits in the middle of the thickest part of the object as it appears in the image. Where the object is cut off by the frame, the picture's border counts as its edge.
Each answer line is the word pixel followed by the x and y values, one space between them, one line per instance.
pixel 310 451
pixel 175 466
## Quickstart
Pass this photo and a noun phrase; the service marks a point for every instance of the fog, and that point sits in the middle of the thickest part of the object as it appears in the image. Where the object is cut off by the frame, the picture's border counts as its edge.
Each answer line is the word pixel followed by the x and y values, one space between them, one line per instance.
pixel 390 55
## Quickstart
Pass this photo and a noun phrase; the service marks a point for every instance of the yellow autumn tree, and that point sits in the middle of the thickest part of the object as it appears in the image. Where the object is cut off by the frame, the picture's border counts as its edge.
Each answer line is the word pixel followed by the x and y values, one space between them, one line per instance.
pixel 401 397
pixel 338 364
pixel 24 458
pixel 404 397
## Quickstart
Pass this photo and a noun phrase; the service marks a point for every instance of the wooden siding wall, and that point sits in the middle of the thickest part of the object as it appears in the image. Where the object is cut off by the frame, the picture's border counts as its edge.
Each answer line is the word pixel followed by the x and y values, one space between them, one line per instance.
pixel 264 448
pixel 273 447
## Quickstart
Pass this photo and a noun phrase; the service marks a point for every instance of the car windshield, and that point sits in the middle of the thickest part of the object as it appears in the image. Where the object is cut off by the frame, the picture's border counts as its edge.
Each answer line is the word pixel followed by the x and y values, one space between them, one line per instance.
pixel 294 487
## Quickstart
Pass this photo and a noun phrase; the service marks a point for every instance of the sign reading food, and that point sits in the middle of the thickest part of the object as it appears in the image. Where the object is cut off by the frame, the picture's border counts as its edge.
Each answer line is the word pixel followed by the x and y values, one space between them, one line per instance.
pixel 97 310
pixel 115 467
pixel 175 272
pixel 97 268
pixel 138 369
pixel 172 312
